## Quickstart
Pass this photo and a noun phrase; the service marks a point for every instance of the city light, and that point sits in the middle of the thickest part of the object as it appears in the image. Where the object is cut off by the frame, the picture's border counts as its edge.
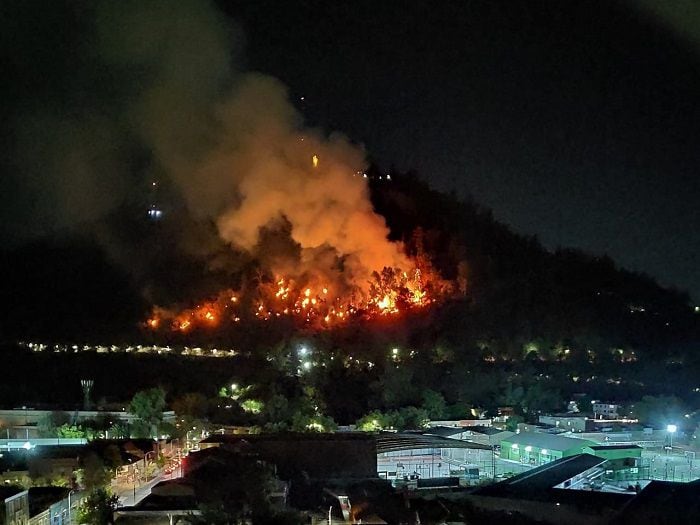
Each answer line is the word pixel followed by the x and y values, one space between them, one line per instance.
pixel 671 428
pixel 528 448
pixel 514 446
pixel 543 451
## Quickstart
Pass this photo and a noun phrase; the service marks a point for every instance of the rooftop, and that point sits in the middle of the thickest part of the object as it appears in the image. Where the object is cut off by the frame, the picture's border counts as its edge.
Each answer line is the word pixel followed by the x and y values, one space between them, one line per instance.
pixel 391 442
pixel 613 447
pixel 41 498
pixel 538 485
pixel 664 502
pixel 548 441
pixel 8 492
pixel 543 478
pixel 288 436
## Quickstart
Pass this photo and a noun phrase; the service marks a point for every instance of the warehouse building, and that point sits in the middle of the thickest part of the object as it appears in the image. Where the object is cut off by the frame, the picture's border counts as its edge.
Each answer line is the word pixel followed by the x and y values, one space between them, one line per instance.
pixel 535 448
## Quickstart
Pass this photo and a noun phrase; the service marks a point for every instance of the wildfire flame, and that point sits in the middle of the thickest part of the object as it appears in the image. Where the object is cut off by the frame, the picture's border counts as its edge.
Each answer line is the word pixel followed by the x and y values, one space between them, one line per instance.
pixel 311 304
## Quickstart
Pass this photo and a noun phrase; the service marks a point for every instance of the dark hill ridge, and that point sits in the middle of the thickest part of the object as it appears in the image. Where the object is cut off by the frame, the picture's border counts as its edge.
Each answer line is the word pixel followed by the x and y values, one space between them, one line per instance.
pixel 519 292
pixel 520 297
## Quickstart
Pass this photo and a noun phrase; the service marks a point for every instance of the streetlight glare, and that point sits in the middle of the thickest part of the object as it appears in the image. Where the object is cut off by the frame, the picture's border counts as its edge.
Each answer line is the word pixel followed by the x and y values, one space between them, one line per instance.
pixel 671 428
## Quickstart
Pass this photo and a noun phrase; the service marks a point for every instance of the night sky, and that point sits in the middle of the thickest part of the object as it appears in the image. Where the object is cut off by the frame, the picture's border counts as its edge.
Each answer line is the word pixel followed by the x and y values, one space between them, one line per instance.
pixel 574 121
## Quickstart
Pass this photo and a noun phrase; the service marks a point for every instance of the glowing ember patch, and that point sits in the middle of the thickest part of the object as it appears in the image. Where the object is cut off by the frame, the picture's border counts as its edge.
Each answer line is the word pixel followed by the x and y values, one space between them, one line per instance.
pixel 390 293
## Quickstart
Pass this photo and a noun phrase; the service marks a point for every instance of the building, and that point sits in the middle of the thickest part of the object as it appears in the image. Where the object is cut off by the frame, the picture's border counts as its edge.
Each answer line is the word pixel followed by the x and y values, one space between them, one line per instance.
pixel 349 455
pixel 664 502
pixel 14 508
pixel 50 505
pixel 23 423
pixel 566 422
pixel 555 493
pixel 614 452
pixel 586 490
pixel 407 456
pixel 606 410
pixel 169 502
pixel 536 448
pixel 490 436
pixel 461 423
pixel 624 462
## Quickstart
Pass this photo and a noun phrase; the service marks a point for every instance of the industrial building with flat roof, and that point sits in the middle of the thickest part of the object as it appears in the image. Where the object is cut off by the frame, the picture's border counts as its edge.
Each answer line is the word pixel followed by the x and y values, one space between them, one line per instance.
pixel 537 448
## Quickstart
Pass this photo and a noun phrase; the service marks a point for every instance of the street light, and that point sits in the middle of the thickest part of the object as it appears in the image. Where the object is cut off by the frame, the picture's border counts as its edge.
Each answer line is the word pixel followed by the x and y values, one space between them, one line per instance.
pixel 69 506
pixel 188 438
pixel 671 429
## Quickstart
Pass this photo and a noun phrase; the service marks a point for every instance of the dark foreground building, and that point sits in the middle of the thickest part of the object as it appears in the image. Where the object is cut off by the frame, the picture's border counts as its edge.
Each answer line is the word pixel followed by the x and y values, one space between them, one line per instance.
pixel 565 492
pixel 350 455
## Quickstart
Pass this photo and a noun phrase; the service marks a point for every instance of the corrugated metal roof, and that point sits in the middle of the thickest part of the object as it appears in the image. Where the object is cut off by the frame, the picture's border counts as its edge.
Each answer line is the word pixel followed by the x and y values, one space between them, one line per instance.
pixel 392 442
pixel 548 441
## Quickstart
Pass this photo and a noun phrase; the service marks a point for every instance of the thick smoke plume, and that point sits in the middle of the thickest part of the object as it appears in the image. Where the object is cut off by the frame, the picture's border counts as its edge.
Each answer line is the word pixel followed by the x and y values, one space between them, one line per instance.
pixel 141 91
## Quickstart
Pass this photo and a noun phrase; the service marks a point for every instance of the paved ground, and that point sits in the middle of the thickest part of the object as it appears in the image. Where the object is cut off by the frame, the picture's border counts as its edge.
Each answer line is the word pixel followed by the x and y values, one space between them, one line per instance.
pixel 671 467
pixel 130 493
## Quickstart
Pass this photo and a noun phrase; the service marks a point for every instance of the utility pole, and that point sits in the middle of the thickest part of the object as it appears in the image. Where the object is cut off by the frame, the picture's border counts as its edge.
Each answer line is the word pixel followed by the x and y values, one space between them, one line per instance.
pixel 493 461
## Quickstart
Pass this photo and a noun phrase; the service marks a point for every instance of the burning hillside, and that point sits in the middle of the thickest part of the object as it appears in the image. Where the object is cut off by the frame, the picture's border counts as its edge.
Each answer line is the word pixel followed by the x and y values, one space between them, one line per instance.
pixel 192 138
pixel 309 301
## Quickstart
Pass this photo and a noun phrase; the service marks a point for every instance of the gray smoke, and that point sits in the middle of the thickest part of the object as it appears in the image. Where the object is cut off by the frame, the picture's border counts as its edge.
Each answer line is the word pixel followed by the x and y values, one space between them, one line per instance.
pixel 149 90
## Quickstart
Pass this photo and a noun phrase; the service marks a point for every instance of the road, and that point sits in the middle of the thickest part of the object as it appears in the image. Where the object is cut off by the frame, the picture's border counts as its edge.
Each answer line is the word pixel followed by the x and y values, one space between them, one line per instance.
pixel 127 491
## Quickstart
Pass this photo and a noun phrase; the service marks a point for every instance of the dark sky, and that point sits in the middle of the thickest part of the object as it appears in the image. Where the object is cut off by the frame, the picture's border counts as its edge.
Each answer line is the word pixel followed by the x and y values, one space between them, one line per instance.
pixel 575 121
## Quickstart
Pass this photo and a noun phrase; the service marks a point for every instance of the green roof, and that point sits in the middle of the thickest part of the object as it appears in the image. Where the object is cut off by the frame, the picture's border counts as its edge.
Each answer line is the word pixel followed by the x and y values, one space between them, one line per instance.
pixel 548 441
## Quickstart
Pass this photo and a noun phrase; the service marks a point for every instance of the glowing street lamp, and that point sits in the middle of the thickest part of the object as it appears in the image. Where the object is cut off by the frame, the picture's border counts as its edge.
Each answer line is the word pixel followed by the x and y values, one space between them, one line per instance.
pixel 671 429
